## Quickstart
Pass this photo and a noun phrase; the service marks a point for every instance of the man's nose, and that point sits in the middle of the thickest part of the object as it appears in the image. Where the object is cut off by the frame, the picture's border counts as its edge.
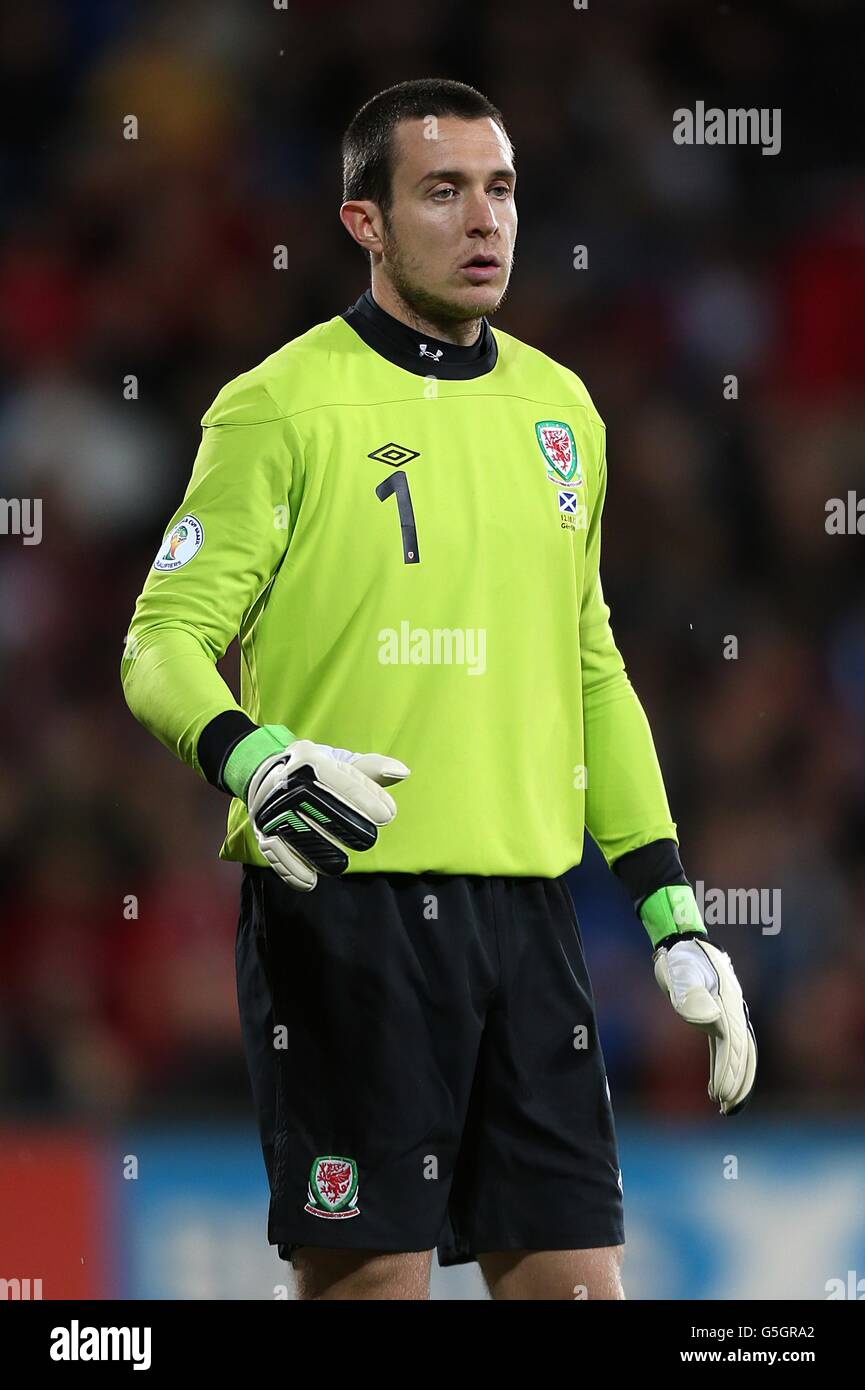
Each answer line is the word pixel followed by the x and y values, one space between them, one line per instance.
pixel 481 216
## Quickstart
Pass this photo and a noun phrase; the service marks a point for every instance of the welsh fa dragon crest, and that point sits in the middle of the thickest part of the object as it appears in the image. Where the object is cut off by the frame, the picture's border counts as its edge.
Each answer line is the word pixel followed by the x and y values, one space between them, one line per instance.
pixel 333 1188
pixel 557 445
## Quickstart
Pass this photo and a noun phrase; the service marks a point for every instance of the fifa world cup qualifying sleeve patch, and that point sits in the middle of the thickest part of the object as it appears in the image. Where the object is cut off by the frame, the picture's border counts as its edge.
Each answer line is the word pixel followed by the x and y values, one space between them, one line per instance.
pixel 182 543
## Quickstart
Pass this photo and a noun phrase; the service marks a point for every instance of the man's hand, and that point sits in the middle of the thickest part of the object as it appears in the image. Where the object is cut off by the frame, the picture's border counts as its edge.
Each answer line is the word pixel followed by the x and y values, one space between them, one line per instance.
pixel 703 989
pixel 307 800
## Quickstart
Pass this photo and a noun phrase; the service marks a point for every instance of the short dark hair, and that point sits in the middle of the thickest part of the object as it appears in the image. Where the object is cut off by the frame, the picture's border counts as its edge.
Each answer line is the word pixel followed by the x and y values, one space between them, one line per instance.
pixel 367 144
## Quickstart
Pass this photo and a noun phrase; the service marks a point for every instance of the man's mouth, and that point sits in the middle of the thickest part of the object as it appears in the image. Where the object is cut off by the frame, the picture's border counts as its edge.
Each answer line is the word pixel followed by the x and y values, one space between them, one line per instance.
pixel 481 267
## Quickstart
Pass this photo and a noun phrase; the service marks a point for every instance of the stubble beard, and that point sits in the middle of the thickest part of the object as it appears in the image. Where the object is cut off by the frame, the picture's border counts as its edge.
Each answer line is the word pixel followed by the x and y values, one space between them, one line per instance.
pixel 424 304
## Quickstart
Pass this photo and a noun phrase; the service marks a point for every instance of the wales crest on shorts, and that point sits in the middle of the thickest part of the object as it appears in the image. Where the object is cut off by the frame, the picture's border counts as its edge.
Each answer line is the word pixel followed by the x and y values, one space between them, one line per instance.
pixel 332 1189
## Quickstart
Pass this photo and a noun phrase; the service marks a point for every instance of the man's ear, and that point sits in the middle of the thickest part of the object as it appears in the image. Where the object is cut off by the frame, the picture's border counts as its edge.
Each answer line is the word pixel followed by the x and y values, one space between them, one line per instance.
pixel 361 219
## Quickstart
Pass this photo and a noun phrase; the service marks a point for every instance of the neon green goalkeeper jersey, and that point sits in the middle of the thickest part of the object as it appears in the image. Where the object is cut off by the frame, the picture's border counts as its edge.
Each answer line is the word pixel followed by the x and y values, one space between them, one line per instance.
pixel 406 536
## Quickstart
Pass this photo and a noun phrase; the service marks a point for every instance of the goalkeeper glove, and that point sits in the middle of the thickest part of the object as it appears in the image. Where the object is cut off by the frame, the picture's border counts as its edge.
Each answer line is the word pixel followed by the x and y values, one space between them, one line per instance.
pixel 307 800
pixel 701 984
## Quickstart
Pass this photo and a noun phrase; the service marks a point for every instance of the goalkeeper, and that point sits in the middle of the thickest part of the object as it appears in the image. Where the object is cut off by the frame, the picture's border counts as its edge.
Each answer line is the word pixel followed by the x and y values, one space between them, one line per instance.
pixel 399 513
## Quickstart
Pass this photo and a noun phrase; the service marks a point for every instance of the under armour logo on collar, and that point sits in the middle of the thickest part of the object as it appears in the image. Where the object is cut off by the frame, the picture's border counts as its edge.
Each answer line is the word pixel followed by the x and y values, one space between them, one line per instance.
pixel 434 355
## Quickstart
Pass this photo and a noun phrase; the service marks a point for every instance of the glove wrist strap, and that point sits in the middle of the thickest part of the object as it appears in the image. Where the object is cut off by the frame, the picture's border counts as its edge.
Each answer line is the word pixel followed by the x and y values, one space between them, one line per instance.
pixel 251 752
pixel 671 912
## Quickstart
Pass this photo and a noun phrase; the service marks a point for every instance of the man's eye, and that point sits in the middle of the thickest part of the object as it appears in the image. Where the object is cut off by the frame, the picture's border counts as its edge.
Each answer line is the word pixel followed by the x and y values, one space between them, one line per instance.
pixel 439 191
pixel 501 188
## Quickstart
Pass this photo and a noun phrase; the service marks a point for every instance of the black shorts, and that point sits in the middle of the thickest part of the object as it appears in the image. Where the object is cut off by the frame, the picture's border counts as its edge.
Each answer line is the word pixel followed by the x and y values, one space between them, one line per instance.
pixel 426 1065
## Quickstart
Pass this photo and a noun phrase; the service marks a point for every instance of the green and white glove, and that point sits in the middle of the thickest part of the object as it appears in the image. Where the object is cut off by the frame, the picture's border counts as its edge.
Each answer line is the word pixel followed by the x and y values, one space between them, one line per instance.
pixel 309 802
pixel 701 985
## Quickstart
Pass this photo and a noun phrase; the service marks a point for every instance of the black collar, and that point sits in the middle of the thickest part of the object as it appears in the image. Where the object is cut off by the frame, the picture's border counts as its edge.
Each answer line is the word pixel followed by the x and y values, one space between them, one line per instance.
pixel 419 352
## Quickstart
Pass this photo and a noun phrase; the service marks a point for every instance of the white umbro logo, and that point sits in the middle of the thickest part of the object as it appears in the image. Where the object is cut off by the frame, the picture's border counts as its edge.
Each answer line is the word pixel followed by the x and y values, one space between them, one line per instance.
pixel 434 355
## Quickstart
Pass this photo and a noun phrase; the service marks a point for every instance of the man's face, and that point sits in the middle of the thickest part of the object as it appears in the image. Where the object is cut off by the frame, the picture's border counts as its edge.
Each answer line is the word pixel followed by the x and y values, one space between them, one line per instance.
pixel 453 202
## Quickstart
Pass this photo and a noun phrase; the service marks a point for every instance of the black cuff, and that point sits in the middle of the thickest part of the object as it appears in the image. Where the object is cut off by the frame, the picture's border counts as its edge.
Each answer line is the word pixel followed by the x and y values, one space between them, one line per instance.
pixel 676 936
pixel 643 871
pixel 217 741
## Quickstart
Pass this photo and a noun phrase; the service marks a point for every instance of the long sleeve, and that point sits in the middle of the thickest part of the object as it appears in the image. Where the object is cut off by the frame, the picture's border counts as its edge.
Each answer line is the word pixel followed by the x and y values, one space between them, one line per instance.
pixel 626 803
pixel 221 549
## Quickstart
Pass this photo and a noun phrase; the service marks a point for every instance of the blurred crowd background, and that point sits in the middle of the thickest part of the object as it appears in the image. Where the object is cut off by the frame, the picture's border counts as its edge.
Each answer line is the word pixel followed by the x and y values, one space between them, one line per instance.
pixel 153 258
